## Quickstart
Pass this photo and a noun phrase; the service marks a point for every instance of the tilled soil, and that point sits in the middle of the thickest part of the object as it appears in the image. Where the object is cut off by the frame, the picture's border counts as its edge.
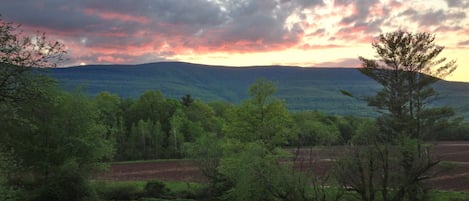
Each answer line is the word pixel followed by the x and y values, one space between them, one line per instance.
pixel 454 177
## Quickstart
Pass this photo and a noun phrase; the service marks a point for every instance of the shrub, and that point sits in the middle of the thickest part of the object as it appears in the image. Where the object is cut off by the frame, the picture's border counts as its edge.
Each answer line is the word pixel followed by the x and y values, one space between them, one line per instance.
pixel 120 192
pixel 155 189
pixel 70 187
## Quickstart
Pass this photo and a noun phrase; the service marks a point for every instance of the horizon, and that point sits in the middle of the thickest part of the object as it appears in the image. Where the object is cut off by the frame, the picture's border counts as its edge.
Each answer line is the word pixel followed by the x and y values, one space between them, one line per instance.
pixel 308 34
pixel 227 67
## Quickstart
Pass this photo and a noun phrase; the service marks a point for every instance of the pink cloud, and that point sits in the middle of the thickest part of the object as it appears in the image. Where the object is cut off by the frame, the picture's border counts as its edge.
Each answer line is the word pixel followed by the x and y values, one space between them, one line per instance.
pixel 111 59
pixel 315 47
pixel 109 15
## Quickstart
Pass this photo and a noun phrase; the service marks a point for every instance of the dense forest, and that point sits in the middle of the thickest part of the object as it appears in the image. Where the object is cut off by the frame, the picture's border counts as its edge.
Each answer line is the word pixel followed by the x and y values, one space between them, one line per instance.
pixel 53 142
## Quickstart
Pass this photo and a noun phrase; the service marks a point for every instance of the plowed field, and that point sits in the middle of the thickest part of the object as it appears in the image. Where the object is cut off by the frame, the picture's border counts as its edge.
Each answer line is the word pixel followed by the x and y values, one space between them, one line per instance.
pixel 316 160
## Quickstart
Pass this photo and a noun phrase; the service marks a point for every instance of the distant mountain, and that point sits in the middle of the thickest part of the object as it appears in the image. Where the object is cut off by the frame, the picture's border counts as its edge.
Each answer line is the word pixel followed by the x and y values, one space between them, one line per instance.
pixel 301 88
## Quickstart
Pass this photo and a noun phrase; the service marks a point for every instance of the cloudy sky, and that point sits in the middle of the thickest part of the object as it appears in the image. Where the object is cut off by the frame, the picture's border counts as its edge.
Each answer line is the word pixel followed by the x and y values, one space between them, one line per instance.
pixel 323 33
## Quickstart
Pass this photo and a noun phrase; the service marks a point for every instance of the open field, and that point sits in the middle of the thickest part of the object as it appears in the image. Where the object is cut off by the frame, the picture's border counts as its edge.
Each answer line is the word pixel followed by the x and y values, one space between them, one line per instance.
pixel 454 155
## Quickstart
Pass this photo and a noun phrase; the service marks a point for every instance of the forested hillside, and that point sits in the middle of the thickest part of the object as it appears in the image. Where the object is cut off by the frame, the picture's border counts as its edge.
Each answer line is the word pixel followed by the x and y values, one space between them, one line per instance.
pixel 301 88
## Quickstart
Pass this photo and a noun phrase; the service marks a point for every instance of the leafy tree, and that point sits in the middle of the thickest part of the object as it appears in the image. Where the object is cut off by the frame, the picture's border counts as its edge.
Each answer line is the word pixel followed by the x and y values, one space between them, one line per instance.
pixel 176 136
pixel 38 135
pixel 18 55
pixel 257 174
pixel 149 106
pixel 406 67
pixel 250 167
pixel 385 172
pixel 204 116
pixel 394 161
pixel 187 100
pixel 315 128
pixel 146 140
pixel 109 112
pixel 19 85
pixel 261 118
pixel 62 144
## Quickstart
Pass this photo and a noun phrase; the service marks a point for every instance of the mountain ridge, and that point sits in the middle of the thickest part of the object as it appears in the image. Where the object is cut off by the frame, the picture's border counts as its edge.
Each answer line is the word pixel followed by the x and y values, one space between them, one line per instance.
pixel 302 88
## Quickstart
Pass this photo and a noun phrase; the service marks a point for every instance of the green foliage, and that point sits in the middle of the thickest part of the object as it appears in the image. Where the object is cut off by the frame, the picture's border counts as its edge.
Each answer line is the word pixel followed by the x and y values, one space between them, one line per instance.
pixel 208 151
pixel 119 192
pixel 143 190
pixel 246 164
pixel 156 127
pixel 9 192
pixel 261 118
pixel 110 115
pixel 405 65
pixel 187 100
pixel 68 185
pixel 145 141
pixel 457 129
pixel 316 128
pixel 257 174
pixel 392 161
pixel 58 148
pixel 367 133
pixel 156 189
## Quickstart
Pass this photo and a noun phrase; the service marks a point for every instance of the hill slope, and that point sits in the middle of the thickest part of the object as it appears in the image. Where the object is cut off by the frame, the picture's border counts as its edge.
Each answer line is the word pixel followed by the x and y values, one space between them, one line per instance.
pixel 301 88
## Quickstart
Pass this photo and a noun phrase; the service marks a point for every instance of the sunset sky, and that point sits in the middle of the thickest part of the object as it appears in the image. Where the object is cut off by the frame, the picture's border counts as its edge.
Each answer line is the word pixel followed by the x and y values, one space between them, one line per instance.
pixel 320 33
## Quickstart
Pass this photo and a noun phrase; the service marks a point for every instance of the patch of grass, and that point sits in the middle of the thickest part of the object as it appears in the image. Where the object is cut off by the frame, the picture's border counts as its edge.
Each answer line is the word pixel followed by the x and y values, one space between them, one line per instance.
pixel 449 196
pixel 121 190
pixel 135 190
pixel 177 186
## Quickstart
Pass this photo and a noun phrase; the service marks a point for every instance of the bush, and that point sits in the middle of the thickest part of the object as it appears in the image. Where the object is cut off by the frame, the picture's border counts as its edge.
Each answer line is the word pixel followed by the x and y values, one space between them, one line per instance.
pixel 8 193
pixel 120 192
pixel 70 187
pixel 155 189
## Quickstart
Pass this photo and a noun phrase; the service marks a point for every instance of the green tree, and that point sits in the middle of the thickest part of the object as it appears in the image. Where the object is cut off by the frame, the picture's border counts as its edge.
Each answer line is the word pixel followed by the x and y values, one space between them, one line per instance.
pixel 250 167
pixel 315 128
pixel 176 135
pixel 145 141
pixel 60 149
pixel 395 161
pixel 202 114
pixel 261 118
pixel 407 66
pixel 187 100
pixel 109 113
pixel 150 106
pixel 18 55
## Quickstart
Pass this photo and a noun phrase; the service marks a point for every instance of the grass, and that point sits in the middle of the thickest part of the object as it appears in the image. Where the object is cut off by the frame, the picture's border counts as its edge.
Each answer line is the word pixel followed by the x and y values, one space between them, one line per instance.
pixel 173 186
pixel 449 196
pixel 135 190
pixel 181 189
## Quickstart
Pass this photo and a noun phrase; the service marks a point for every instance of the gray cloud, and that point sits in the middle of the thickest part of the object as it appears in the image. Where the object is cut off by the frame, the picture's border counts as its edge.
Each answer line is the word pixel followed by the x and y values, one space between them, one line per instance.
pixel 362 10
pixel 362 20
pixel 458 3
pixel 433 17
pixel 437 17
pixel 165 27
pixel 197 22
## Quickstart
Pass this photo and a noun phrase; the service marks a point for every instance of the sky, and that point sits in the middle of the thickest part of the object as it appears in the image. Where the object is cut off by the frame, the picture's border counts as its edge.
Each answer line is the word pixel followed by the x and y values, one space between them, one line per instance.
pixel 307 33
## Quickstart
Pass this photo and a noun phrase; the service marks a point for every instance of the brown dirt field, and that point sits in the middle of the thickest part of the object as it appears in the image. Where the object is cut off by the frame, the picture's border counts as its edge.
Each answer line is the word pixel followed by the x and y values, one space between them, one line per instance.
pixel 456 178
pixel 177 170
